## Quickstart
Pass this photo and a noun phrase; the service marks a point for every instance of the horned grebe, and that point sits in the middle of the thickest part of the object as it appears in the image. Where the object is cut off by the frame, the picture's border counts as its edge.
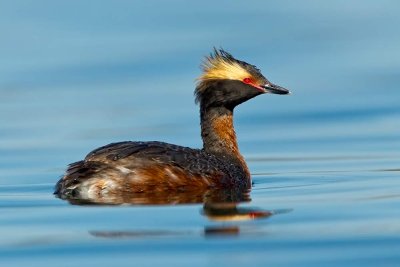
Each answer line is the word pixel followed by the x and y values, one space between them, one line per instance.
pixel 137 167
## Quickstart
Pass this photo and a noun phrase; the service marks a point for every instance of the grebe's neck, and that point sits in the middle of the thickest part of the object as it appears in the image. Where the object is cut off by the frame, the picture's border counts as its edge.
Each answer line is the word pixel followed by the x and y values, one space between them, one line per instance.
pixel 219 135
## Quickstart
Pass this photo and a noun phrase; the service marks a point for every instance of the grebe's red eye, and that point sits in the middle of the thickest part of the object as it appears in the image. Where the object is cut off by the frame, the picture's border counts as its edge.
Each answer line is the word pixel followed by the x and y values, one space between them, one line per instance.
pixel 247 80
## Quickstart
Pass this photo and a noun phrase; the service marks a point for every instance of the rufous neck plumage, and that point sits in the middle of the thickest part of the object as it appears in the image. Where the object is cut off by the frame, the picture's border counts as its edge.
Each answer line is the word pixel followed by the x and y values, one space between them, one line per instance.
pixel 218 134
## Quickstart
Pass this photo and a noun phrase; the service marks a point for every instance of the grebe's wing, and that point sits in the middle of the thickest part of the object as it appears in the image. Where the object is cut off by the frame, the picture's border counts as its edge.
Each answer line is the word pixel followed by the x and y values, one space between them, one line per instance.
pixel 127 153
pixel 114 150
pixel 148 163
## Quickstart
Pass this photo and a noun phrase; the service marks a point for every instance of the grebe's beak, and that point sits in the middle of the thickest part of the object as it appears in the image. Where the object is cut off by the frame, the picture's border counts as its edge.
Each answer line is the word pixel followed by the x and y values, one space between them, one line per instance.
pixel 275 89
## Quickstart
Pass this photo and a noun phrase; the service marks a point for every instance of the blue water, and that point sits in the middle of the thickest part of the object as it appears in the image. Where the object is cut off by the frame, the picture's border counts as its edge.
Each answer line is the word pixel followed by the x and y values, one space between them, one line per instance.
pixel 75 75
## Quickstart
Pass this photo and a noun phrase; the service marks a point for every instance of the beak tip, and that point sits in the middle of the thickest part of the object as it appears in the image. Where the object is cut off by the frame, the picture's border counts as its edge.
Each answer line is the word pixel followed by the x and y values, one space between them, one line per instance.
pixel 276 89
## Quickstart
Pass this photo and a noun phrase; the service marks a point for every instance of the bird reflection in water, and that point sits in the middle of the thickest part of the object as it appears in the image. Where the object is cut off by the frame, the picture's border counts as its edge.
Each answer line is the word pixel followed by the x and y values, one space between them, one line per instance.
pixel 219 206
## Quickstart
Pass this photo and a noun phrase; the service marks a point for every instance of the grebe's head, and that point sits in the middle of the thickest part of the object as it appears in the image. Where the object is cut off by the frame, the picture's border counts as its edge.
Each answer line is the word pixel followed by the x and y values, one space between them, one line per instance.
pixel 226 81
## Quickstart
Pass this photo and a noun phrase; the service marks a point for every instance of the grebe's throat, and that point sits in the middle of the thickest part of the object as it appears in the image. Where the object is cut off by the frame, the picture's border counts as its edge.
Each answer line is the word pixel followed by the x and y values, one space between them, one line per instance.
pixel 217 130
pixel 218 133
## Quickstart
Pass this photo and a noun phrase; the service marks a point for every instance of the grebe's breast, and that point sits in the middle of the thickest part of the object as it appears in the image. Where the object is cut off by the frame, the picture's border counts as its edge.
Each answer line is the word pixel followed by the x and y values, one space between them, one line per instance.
pixel 134 167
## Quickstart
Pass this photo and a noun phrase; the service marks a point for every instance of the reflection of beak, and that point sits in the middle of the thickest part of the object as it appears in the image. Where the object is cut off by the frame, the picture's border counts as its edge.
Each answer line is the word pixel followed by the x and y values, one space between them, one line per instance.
pixel 231 212
pixel 275 89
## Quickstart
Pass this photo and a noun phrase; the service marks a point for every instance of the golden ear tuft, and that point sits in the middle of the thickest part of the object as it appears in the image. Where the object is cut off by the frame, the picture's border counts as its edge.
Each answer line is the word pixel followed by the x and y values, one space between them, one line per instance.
pixel 222 65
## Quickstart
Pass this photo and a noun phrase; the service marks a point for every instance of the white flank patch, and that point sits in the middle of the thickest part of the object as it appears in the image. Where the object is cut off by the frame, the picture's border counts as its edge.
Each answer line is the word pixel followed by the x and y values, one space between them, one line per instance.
pixel 87 190
pixel 172 175
pixel 136 178
pixel 109 184
pixel 123 170
pixel 206 181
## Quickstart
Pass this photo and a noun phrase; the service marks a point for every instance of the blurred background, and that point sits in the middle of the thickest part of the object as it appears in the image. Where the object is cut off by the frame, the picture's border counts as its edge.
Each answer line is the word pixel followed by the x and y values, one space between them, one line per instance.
pixel 75 75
